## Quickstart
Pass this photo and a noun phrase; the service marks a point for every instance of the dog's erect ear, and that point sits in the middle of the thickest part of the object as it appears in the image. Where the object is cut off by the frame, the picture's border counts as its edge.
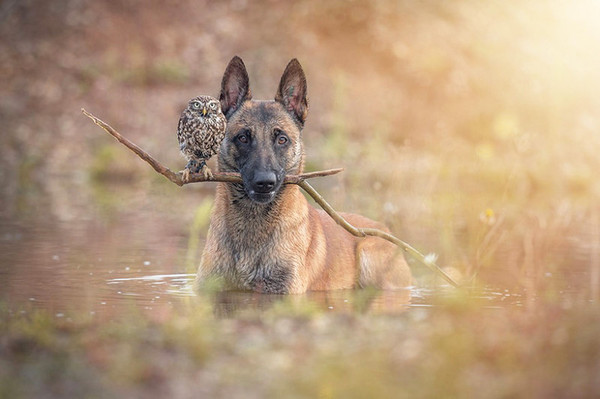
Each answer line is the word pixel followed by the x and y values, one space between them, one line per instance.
pixel 292 91
pixel 235 86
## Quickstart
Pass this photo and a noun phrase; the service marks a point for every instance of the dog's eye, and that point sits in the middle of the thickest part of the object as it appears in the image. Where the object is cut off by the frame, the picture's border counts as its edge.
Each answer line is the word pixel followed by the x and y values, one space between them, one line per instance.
pixel 280 137
pixel 243 138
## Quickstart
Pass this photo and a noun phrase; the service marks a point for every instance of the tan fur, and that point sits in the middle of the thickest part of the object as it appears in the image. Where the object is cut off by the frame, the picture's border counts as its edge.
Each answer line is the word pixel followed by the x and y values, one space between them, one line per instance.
pixel 286 245
pixel 320 254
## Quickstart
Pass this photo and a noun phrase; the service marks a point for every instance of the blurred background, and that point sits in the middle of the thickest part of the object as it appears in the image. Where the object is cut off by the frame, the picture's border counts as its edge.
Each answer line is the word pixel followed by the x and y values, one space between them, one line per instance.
pixel 470 128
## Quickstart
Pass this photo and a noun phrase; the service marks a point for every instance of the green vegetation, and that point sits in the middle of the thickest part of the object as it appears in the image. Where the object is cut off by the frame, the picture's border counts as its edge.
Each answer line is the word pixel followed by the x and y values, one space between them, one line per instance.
pixel 153 73
pixel 198 229
pixel 109 164
pixel 459 348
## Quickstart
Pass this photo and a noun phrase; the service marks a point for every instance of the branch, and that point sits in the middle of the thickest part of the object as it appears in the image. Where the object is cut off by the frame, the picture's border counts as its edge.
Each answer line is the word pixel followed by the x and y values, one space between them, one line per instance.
pixel 363 232
pixel 176 177
pixel 300 180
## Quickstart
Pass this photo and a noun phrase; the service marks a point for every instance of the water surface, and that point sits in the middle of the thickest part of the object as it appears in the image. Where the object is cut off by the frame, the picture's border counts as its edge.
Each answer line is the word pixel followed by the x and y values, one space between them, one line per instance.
pixel 105 268
pixel 121 247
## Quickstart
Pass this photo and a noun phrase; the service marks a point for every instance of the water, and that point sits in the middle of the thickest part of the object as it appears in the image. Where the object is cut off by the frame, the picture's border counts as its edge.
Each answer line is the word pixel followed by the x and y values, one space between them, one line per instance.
pixel 154 292
pixel 140 250
pixel 113 278
pixel 105 269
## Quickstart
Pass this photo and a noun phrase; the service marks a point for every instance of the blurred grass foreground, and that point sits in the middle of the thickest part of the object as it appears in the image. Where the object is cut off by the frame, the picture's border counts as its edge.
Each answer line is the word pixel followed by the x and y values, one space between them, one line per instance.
pixel 470 128
pixel 454 351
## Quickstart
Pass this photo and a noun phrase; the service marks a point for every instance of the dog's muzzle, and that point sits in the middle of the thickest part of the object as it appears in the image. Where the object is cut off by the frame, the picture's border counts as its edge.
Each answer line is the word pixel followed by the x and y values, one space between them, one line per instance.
pixel 263 186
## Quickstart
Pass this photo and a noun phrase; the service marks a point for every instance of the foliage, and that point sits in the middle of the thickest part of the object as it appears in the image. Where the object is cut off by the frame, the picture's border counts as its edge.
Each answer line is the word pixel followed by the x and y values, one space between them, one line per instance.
pixel 460 348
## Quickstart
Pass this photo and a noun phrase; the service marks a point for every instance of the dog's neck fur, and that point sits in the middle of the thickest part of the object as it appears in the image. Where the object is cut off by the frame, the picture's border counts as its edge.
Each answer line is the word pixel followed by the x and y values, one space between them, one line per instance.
pixel 241 209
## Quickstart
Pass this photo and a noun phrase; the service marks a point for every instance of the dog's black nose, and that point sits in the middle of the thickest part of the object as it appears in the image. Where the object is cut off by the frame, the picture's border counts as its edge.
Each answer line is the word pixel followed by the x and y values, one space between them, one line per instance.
pixel 264 182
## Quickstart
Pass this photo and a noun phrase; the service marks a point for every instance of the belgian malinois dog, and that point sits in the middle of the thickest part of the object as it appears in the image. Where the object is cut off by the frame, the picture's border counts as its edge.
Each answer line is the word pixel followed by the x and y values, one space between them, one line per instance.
pixel 263 235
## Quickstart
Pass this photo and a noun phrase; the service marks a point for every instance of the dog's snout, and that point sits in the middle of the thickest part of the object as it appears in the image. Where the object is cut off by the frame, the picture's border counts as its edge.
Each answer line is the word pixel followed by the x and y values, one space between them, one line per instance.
pixel 264 182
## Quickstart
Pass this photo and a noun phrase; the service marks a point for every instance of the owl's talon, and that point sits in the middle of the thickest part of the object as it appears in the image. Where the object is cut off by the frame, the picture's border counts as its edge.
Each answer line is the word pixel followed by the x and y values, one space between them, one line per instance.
pixel 185 175
pixel 207 172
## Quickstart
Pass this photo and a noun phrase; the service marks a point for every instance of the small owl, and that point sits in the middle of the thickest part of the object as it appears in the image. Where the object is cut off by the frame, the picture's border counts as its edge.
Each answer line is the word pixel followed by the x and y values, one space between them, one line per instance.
pixel 200 132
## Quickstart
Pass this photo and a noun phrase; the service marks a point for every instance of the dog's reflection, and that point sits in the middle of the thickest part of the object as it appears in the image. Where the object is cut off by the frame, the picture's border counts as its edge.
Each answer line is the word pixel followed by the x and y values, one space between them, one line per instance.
pixel 232 303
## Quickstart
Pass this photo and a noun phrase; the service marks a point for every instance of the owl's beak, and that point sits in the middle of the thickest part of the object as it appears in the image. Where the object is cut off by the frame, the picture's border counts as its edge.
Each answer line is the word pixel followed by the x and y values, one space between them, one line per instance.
pixel 204 111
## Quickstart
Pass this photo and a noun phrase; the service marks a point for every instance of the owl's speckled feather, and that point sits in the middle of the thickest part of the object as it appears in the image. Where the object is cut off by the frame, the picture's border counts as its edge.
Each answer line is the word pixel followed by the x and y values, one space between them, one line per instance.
pixel 200 131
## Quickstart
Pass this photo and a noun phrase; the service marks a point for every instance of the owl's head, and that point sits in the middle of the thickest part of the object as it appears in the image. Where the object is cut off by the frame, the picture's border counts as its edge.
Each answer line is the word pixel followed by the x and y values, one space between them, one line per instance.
pixel 204 105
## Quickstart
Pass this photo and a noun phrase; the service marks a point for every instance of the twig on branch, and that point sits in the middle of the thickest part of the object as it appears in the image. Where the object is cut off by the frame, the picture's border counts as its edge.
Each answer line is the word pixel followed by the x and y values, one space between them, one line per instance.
pixel 300 180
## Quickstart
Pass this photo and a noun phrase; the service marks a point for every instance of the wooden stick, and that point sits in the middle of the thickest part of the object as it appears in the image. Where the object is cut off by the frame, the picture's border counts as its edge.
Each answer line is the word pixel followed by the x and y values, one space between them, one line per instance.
pixel 176 177
pixel 363 232
pixel 300 180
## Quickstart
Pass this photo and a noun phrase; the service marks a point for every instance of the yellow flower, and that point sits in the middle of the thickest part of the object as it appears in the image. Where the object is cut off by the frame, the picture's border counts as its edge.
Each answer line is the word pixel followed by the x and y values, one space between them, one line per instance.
pixel 488 217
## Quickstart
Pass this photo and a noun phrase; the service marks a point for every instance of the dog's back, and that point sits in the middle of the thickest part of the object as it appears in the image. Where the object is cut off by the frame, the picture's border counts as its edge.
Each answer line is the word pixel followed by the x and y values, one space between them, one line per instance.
pixel 263 235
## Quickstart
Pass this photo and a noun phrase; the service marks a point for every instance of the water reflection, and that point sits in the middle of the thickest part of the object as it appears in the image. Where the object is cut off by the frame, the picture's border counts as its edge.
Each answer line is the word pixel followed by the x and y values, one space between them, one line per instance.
pixel 148 289
pixel 105 270
pixel 232 303
pixel 143 256
pixel 151 291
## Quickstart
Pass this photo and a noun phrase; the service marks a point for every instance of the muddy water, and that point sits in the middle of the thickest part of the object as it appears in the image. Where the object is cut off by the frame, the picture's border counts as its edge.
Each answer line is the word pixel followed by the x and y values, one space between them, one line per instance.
pixel 139 250
pixel 115 272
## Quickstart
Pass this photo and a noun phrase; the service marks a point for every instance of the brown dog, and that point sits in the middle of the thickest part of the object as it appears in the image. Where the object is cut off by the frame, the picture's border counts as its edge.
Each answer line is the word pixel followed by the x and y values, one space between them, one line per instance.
pixel 263 235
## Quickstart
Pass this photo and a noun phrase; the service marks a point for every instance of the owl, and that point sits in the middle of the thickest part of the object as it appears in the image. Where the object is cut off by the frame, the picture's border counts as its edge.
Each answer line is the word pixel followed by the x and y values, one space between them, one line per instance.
pixel 200 131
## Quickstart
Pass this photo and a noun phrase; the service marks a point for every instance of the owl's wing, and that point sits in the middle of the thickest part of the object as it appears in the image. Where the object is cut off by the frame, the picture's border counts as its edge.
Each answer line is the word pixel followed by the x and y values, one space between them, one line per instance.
pixel 222 123
pixel 185 135
pixel 181 124
pixel 182 131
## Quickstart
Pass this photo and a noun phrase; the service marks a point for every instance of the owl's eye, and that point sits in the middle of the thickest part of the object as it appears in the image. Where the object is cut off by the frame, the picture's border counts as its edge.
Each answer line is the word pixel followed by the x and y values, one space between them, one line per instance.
pixel 196 104
pixel 213 105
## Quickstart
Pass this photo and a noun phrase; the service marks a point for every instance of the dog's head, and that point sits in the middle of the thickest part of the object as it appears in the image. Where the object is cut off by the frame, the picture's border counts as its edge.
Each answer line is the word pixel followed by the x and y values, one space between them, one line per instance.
pixel 263 140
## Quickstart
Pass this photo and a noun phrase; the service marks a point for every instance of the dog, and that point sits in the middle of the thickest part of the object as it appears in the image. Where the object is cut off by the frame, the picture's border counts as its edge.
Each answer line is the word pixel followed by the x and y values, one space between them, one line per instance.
pixel 263 234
